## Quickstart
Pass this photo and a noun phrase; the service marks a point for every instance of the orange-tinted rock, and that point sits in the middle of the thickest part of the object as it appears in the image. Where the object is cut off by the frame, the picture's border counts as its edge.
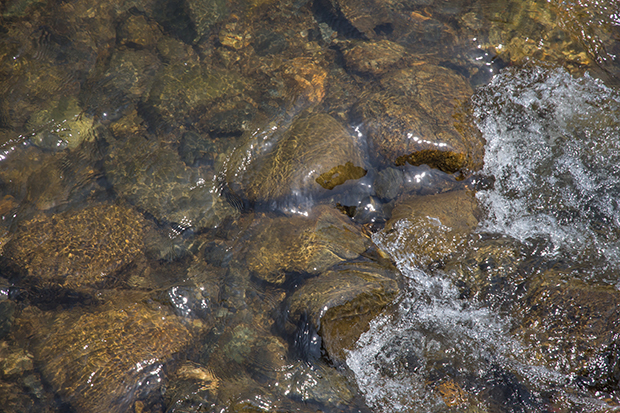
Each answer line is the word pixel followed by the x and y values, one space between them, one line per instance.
pixel 76 249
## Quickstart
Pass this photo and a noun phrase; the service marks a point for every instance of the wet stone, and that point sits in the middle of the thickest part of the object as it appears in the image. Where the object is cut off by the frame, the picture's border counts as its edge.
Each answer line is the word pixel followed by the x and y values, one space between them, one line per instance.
pixel 68 178
pixel 230 118
pixel 130 75
pixel 139 33
pixel 204 14
pixel 432 227
pixel 185 92
pixel 293 162
pixel 75 249
pixel 339 303
pixel 492 270
pixel 108 359
pixel 565 324
pixel 153 177
pixel 173 50
pixel 308 245
pixel 61 125
pixel 418 118
pixel 373 57
pixel 269 43
pixel 365 15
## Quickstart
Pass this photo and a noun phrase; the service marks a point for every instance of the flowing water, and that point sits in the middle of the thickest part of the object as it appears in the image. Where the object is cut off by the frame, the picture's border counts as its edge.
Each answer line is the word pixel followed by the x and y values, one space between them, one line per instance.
pixel 165 248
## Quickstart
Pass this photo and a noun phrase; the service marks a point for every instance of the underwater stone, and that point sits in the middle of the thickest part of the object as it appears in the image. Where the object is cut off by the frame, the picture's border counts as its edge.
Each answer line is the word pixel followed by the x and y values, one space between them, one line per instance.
pixel 153 177
pixel 418 118
pixel 75 249
pixel 185 92
pixel 364 15
pixel 105 360
pixel 298 244
pixel 565 323
pixel 294 164
pixel 340 302
pixel 432 227
pixel 373 57
pixel 137 32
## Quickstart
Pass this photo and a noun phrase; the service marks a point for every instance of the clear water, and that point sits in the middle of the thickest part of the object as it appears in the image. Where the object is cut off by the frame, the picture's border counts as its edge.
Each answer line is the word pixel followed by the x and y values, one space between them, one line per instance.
pixel 553 149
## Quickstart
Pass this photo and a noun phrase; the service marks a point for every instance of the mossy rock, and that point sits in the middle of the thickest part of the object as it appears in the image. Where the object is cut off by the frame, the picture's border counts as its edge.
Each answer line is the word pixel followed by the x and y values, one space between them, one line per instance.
pixel 430 228
pixel 75 249
pixel 293 161
pixel 107 359
pixel 308 245
pixel 339 303
pixel 419 117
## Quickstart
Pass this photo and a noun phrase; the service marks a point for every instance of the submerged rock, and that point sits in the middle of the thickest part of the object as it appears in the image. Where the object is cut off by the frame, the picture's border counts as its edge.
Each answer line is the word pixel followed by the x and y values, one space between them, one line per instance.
pixel 152 176
pixel 340 302
pixel 432 227
pixel 367 16
pixel 418 118
pixel 75 249
pixel 293 161
pixel 564 324
pixel 307 245
pixel 185 91
pixel 108 359
pixel 373 57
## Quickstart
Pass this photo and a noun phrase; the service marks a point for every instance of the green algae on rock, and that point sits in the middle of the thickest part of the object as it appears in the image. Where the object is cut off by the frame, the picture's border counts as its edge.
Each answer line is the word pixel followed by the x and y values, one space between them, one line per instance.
pixel 75 249
pixel 107 359
pixel 281 163
pixel 418 118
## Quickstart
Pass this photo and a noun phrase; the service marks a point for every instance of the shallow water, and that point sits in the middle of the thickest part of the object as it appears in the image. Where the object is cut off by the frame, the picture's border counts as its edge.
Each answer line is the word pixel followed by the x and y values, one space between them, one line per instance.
pixel 200 206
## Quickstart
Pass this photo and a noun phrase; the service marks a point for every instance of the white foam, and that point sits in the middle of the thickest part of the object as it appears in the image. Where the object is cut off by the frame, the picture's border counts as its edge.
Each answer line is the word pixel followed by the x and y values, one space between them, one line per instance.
pixel 553 146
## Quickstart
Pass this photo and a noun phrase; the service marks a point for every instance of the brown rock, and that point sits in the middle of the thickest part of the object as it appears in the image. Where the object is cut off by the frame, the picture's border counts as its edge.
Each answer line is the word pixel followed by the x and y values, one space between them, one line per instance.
pixel 299 244
pixel 137 32
pixel 418 117
pixel 289 163
pixel 105 360
pixel 432 227
pixel 564 323
pixel 364 15
pixel 77 249
pixel 341 302
pixel 373 57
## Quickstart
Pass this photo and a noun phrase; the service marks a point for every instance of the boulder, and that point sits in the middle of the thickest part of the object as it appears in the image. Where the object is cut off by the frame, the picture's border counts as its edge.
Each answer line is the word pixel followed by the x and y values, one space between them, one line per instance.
pixel 107 359
pixel 340 303
pixel 373 57
pixel 418 118
pixel 430 228
pixel 564 323
pixel 75 249
pixel 291 161
pixel 298 244
pixel 152 176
